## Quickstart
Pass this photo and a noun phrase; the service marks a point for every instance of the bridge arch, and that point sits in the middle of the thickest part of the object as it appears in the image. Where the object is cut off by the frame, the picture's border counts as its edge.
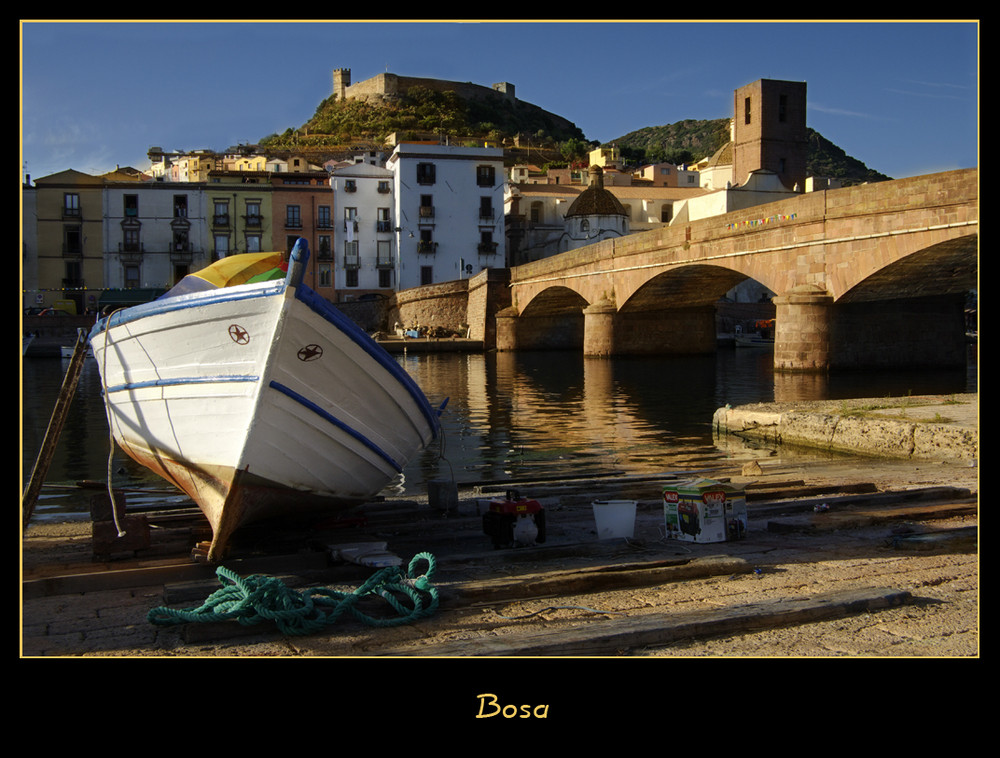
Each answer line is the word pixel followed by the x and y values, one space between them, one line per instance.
pixel 829 255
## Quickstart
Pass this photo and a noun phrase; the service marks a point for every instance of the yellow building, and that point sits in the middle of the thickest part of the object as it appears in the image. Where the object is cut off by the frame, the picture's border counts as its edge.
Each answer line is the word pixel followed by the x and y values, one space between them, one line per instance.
pixel 69 240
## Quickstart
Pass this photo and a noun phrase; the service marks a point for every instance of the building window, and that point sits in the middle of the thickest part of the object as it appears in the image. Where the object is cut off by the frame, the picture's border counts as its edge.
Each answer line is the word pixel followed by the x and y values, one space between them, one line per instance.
pixel 71 204
pixel 486 209
pixel 130 243
pixel 325 275
pixel 425 173
pixel 293 217
pixel 746 110
pixel 253 214
pixel 73 240
pixel 221 245
pixel 323 219
pixel 385 278
pixel 485 176
pixel 426 244
pixel 220 214
pixel 131 277
pixel 383 254
pixel 351 277
pixel 427 275
pixel 253 243
pixel 131 206
pixel 782 108
pixel 324 250
pixel 351 259
pixel 383 222
pixel 180 206
pixel 383 187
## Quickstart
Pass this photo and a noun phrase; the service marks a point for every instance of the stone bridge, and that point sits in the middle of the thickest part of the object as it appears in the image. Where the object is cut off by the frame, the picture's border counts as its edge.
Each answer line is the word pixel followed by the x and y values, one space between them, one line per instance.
pixel 868 276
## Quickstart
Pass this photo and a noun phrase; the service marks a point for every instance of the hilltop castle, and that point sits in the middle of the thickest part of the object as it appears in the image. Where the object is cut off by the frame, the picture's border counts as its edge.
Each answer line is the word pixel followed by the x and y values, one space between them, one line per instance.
pixel 387 87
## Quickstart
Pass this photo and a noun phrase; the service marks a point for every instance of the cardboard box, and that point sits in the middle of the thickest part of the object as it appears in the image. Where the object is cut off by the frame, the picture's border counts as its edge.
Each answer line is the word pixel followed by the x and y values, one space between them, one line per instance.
pixel 704 510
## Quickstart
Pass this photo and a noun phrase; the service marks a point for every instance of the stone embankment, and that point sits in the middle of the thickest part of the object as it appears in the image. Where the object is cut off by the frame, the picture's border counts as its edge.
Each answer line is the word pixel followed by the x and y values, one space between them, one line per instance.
pixel 926 427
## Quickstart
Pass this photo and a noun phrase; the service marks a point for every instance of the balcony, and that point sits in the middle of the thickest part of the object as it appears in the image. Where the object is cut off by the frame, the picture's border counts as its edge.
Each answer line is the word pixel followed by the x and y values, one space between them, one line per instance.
pixel 220 219
pixel 383 227
pixel 426 247
pixel 486 248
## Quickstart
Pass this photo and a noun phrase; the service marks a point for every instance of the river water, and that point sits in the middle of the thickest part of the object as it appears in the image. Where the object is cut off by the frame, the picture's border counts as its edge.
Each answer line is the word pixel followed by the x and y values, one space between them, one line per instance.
pixel 509 416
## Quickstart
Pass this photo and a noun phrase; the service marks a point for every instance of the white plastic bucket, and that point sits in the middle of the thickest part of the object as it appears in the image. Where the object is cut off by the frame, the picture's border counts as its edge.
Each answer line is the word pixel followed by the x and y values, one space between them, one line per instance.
pixel 615 518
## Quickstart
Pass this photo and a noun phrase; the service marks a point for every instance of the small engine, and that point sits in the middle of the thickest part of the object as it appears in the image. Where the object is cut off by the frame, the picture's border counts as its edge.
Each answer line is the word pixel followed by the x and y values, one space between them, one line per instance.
pixel 514 521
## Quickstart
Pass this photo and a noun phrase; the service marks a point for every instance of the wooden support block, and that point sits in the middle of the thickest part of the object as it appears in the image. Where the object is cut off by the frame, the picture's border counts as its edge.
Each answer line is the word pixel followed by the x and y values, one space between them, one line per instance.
pixel 100 506
pixel 107 540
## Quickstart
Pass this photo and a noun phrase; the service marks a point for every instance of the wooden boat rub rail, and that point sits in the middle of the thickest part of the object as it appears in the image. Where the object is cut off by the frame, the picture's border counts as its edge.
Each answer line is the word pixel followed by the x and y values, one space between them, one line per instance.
pixel 195 300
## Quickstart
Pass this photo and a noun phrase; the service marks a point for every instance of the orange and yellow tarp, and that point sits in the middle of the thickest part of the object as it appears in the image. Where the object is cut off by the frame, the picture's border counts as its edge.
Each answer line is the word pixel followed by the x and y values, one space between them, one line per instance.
pixel 233 271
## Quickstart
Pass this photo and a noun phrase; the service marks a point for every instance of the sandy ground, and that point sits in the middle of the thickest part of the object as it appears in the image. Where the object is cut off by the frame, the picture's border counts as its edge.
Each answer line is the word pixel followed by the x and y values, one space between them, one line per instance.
pixel 941 618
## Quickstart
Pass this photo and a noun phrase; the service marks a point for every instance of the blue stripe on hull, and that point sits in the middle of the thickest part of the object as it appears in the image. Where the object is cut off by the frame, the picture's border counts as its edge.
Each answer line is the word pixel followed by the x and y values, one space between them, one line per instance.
pixel 306 403
pixel 182 381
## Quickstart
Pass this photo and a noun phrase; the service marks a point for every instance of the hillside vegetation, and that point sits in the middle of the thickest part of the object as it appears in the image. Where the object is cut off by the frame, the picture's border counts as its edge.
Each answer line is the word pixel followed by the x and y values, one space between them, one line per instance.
pixel 337 127
pixel 691 140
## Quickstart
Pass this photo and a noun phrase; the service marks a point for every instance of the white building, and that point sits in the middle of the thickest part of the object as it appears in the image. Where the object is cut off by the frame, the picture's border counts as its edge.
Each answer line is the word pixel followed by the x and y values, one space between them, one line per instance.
pixel 449 212
pixel 364 236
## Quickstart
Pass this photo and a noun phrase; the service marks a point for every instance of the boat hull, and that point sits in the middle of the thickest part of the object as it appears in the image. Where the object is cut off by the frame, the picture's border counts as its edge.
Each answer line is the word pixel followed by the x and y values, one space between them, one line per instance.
pixel 258 401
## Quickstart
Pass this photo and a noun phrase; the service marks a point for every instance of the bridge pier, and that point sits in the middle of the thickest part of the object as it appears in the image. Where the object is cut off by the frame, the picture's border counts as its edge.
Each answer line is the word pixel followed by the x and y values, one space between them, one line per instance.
pixel 599 328
pixel 802 330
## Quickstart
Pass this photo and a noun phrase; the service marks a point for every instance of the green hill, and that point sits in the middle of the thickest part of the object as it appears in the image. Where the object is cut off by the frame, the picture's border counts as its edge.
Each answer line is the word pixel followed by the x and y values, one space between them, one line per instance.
pixel 420 111
pixel 691 140
pixel 339 127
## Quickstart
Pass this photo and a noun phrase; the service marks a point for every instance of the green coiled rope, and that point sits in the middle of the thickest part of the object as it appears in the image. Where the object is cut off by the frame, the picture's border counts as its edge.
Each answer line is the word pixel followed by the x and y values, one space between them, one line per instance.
pixel 257 598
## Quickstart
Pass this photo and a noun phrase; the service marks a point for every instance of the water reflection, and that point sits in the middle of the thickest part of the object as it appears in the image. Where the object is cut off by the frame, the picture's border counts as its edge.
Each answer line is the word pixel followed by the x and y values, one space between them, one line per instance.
pixel 512 415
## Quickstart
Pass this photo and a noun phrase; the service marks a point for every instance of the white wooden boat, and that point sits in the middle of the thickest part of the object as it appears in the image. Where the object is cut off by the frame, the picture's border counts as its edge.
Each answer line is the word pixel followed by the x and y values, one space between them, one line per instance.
pixel 258 399
pixel 753 340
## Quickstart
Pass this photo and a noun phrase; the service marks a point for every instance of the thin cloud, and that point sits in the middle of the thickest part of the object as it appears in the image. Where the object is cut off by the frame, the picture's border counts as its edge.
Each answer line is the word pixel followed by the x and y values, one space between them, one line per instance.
pixel 844 112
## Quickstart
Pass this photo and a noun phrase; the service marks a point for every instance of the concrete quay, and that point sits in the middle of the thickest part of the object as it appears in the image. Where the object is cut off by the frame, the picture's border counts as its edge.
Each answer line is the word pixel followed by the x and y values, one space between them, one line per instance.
pixel 923 427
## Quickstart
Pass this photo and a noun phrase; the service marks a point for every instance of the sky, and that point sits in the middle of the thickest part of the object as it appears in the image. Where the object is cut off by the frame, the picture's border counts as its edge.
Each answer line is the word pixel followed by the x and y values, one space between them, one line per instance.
pixel 902 97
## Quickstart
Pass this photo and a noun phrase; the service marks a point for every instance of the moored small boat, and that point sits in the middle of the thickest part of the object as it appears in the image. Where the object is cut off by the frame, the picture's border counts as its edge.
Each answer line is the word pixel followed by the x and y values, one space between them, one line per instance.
pixel 256 397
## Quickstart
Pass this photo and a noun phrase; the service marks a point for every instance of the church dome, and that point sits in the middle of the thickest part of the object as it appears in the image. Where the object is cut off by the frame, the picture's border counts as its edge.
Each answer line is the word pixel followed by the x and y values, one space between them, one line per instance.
pixel 595 200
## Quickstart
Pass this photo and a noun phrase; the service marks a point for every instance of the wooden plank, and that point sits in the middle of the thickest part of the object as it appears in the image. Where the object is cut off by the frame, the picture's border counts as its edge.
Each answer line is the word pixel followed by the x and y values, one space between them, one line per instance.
pixel 855 518
pixel 182 570
pixel 596 579
pixel 604 636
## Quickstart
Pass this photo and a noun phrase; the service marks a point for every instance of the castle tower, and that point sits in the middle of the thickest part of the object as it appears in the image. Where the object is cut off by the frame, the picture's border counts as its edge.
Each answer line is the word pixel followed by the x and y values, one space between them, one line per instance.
pixel 769 131
pixel 341 81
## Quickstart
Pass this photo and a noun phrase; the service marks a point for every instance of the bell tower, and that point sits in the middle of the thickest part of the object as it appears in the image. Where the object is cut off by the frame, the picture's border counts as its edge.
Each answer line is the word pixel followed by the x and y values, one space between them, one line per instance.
pixel 769 131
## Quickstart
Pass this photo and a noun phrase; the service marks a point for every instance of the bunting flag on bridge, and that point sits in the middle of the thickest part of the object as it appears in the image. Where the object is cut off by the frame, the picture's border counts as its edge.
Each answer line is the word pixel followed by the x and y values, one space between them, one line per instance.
pixel 750 223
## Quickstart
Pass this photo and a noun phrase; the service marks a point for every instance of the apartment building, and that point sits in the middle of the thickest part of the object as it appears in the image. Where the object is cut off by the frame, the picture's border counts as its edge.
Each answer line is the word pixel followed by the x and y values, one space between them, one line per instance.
pixel 365 231
pixel 154 234
pixel 69 240
pixel 302 206
pixel 449 211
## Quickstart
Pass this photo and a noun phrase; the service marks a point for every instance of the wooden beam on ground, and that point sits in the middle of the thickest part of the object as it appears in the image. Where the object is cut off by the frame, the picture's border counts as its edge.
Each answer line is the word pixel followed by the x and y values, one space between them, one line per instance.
pixel 595 579
pixel 604 636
